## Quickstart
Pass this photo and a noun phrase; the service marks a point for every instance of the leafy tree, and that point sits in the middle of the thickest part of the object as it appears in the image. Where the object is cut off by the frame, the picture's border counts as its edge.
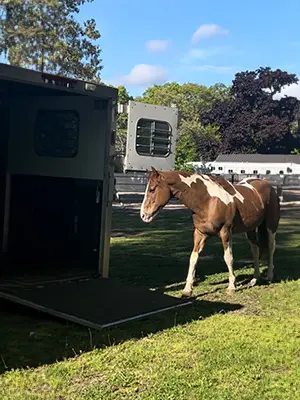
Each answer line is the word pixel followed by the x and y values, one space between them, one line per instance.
pixel 122 120
pixel 45 35
pixel 251 120
pixel 191 99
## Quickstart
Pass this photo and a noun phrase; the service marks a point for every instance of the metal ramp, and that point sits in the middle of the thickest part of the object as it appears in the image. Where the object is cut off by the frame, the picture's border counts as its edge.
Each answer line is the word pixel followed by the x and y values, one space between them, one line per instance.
pixel 93 302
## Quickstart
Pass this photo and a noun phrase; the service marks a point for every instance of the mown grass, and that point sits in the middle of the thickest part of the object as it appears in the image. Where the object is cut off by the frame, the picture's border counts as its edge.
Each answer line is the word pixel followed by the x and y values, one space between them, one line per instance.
pixel 244 346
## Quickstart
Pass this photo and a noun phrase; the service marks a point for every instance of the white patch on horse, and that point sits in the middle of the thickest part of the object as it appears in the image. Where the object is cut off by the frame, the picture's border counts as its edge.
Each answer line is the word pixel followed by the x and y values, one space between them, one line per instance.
pixel 228 258
pixel 244 182
pixel 143 203
pixel 213 189
pixel 237 194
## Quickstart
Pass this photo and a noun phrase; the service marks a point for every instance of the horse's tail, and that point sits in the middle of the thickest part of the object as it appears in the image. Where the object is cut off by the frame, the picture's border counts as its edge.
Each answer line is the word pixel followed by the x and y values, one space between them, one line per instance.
pixel 263 239
pixel 271 222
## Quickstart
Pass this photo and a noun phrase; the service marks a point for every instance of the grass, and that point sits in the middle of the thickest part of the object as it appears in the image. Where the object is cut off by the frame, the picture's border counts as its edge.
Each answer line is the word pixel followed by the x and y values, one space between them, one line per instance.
pixel 244 346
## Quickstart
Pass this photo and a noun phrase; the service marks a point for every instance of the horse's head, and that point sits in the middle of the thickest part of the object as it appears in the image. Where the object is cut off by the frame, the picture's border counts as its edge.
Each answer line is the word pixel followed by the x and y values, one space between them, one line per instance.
pixel 156 196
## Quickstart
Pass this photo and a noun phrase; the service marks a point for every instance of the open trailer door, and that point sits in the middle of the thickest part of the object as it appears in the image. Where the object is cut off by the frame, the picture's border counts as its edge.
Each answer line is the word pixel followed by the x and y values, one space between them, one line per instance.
pixel 57 183
pixel 151 137
pixel 57 189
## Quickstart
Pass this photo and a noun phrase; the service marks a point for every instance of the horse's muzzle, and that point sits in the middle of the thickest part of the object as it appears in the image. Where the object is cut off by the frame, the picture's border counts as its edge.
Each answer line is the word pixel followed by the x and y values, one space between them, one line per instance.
pixel 147 217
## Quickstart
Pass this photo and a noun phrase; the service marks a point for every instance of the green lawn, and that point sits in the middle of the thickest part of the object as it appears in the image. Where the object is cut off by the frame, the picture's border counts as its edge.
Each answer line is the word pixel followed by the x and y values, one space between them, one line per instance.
pixel 244 346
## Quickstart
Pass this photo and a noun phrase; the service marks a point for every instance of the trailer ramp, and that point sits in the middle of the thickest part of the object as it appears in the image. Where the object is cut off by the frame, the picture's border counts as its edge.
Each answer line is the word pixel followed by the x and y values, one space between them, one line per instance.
pixel 93 302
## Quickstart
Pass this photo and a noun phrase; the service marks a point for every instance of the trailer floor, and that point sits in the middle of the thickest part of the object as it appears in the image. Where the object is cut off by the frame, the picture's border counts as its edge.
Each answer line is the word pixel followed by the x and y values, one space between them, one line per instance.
pixel 93 302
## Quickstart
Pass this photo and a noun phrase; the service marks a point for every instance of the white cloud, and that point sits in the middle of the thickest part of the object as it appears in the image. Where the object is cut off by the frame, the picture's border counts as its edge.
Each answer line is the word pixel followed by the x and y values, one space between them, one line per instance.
pixel 204 54
pixel 207 31
pixel 143 75
pixel 213 68
pixel 156 46
pixel 291 90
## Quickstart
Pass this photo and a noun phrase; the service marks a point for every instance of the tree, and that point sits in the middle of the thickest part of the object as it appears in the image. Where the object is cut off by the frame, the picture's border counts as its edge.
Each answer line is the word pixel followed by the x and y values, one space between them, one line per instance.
pixel 122 120
pixel 44 35
pixel 191 99
pixel 251 120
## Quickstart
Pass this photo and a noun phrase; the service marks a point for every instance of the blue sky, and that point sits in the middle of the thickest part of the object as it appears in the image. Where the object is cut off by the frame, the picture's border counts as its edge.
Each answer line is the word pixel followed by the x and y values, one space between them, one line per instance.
pixel 197 41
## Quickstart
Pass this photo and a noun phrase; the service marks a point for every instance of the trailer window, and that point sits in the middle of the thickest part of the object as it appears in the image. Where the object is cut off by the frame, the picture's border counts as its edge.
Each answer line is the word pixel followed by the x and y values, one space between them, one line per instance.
pixel 289 170
pixel 242 171
pixel 255 171
pixel 230 171
pixel 268 172
pixel 220 168
pixel 56 133
pixel 153 138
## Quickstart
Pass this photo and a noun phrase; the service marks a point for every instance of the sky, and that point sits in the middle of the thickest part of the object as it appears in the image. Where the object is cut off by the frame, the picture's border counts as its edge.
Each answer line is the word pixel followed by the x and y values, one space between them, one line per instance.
pixel 203 41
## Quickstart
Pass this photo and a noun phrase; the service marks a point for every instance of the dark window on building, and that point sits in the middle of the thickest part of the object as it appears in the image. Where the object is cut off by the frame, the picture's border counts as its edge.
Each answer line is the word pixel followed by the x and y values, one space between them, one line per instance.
pixel 230 171
pixel 281 172
pixel 56 133
pixel 289 170
pixel 242 171
pixel 268 172
pixel 153 138
pixel 255 171
pixel 220 168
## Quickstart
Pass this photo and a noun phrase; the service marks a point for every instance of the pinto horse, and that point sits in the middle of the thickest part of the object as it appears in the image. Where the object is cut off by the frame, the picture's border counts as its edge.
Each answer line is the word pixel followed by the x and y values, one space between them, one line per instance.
pixel 219 209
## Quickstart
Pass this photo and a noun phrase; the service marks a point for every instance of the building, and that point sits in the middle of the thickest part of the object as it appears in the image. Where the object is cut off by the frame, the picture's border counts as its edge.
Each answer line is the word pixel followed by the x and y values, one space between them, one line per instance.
pixel 253 164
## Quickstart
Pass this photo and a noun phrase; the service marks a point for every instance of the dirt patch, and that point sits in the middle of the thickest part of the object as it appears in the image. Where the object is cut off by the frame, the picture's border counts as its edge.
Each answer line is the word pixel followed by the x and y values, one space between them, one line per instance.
pixel 128 235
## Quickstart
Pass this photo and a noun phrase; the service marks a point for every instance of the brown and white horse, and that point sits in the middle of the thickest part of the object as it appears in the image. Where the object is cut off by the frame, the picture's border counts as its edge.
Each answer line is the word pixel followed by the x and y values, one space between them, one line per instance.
pixel 219 209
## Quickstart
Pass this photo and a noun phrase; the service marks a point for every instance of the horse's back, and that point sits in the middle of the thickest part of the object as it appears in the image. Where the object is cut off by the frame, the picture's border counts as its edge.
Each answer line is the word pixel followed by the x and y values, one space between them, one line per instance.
pixel 269 199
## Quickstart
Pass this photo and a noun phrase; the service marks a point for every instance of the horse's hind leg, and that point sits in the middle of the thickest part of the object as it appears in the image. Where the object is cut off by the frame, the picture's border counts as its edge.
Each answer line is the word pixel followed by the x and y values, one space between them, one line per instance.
pixel 226 237
pixel 272 246
pixel 252 239
pixel 199 242
pixel 272 223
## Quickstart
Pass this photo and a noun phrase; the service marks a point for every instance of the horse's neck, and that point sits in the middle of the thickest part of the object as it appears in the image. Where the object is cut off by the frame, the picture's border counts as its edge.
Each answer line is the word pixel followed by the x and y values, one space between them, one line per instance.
pixel 186 195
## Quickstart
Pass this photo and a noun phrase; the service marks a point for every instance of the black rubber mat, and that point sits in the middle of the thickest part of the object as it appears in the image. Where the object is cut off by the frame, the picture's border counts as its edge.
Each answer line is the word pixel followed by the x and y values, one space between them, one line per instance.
pixel 96 303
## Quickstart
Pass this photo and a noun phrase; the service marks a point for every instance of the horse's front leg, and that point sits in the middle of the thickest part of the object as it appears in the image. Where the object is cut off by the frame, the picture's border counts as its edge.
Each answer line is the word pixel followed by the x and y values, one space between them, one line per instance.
pixel 199 242
pixel 226 237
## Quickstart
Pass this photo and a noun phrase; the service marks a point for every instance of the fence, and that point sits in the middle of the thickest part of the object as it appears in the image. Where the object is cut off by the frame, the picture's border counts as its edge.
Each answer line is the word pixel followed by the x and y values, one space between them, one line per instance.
pixel 136 182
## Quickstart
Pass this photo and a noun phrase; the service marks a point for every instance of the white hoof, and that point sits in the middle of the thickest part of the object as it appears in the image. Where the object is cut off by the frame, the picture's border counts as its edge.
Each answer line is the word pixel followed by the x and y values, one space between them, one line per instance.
pixel 253 282
pixel 230 289
pixel 187 293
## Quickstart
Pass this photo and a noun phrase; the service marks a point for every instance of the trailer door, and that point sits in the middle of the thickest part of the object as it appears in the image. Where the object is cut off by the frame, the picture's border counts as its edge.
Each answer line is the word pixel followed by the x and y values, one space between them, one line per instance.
pixel 151 137
pixel 58 171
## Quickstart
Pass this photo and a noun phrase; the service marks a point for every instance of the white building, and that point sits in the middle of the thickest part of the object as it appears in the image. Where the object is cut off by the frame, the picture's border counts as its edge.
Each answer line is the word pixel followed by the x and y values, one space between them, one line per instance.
pixel 253 164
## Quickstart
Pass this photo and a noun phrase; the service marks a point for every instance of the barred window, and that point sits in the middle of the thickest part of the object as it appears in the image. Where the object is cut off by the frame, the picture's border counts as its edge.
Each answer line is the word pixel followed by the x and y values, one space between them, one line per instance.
pixel 153 138
pixel 56 133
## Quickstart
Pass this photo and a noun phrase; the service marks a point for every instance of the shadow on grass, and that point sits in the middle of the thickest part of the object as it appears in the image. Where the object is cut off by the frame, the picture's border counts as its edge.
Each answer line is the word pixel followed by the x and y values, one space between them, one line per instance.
pixel 157 254
pixel 30 338
pixel 157 258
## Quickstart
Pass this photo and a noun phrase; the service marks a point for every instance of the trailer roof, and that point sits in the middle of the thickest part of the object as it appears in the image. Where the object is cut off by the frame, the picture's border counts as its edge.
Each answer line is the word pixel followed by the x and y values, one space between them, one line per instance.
pixel 259 158
pixel 12 75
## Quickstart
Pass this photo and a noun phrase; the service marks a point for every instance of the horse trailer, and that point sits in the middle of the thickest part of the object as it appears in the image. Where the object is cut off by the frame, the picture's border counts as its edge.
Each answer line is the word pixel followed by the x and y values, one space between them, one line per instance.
pixel 57 182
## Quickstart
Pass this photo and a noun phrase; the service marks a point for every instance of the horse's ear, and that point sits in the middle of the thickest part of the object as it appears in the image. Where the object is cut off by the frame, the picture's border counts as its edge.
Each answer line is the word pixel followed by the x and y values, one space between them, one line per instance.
pixel 155 172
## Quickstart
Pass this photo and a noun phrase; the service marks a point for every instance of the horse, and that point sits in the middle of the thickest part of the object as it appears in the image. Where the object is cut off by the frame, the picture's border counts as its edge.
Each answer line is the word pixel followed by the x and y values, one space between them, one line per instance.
pixel 219 208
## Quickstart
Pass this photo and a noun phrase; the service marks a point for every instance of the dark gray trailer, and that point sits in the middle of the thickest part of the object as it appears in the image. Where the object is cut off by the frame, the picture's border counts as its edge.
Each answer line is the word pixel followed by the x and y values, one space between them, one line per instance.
pixel 56 190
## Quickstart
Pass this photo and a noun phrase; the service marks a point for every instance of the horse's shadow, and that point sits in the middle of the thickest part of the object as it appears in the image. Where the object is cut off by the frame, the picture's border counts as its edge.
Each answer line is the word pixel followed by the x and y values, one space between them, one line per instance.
pixel 31 338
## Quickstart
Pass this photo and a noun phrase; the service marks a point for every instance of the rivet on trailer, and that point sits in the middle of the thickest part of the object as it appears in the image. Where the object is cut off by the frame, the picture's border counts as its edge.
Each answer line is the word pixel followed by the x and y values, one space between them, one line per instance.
pixel 56 190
